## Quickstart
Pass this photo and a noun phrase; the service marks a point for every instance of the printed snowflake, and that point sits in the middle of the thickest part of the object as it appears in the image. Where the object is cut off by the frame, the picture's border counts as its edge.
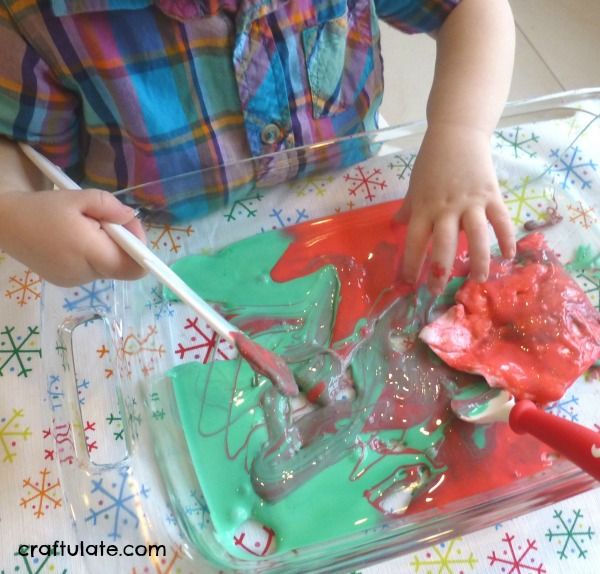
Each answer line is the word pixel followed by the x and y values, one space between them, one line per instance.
pixel 61 351
pixel 203 343
pixel 444 558
pixel 403 165
pixel 133 418
pixel 518 558
pixel 518 142
pixel 118 422
pixel 143 349
pixel 365 181
pixel 197 508
pixel 243 208
pixel 102 351
pixel 582 215
pixel 170 517
pixel 116 503
pixel 169 236
pixel 162 565
pixel 10 432
pixel 565 408
pixel 25 288
pixel 40 494
pixel 81 387
pixel 35 565
pixel 54 392
pixel 18 349
pixel 526 202
pixel 570 534
pixel 591 285
pixel 312 184
pixel 283 220
pixel 64 431
pixel 158 305
pixel 576 171
pixel 586 268
pixel 97 294
pixel 88 429
pixel 62 440
pixel 56 395
pixel 158 412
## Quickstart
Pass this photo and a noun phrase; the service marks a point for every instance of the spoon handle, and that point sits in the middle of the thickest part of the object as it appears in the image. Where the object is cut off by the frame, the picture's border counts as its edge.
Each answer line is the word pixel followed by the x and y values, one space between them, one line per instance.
pixel 141 254
pixel 579 444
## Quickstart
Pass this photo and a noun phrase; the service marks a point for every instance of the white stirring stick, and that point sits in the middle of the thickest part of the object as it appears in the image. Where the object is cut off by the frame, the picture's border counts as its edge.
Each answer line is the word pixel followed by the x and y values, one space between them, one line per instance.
pixel 261 359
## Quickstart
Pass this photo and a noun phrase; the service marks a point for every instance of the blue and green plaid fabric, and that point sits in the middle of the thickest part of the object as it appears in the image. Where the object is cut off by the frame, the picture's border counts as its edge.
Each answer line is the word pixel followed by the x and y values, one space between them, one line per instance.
pixel 128 91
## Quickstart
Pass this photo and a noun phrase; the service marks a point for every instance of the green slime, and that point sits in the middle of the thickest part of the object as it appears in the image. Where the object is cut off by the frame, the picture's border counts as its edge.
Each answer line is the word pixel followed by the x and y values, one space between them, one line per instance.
pixel 334 470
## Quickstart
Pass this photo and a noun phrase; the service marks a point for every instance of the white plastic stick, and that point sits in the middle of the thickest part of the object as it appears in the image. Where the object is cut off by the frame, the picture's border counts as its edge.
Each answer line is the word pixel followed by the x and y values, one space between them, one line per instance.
pixel 140 253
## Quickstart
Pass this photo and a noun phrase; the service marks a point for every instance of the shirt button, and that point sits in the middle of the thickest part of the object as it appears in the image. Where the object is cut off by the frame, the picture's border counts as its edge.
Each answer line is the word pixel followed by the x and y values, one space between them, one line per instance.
pixel 271 134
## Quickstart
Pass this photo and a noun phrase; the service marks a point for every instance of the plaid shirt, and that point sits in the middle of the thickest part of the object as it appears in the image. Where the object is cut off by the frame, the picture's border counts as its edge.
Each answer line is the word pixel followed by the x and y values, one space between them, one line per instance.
pixel 121 92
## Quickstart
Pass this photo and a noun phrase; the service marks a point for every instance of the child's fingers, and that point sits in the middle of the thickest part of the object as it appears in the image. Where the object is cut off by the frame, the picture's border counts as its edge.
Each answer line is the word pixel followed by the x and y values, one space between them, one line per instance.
pixel 136 227
pixel 417 239
pixel 109 260
pixel 103 206
pixel 403 214
pixel 105 256
pixel 498 216
pixel 474 223
pixel 443 252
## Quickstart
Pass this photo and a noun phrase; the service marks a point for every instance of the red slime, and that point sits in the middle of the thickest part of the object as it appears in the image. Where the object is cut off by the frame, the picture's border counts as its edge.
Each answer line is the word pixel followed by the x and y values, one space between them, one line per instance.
pixel 529 328
pixel 366 247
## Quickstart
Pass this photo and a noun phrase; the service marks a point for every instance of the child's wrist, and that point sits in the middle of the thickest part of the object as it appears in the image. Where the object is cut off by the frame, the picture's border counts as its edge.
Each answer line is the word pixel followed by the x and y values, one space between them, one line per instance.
pixel 451 127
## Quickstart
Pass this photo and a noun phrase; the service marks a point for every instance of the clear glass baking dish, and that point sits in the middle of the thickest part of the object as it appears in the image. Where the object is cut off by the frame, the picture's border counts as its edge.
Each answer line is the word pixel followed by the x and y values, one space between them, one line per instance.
pixel 126 468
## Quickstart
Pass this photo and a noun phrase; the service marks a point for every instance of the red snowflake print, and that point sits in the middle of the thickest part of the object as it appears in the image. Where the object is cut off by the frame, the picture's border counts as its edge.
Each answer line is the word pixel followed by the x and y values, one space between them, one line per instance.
pixel 516 558
pixel 365 181
pixel 203 343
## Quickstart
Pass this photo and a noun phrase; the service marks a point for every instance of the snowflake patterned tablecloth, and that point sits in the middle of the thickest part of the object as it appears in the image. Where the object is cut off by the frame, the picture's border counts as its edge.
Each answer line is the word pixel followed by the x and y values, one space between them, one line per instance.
pixel 563 537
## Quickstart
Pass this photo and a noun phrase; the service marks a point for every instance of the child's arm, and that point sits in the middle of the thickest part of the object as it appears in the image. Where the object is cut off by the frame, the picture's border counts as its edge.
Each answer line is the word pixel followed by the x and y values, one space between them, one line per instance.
pixel 56 233
pixel 453 183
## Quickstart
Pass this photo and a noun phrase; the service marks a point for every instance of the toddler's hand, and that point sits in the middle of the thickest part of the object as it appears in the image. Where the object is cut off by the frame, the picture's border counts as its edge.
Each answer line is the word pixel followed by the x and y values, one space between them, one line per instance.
pixel 453 186
pixel 58 235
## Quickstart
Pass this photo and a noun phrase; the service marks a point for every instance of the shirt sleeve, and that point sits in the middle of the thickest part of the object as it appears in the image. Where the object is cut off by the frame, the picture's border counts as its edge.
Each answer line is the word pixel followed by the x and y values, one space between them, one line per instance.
pixel 415 15
pixel 34 106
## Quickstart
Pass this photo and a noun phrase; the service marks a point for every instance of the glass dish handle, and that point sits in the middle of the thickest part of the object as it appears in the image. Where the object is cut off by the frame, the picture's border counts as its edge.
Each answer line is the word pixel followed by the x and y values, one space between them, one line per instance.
pixel 74 423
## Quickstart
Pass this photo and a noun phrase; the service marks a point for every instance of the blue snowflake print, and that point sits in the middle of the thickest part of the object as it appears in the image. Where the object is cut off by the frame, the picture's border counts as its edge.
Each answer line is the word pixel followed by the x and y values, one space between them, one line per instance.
pixel 572 167
pixel 95 295
pixel 116 503
pixel 158 305
pixel 284 219
pixel 565 408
